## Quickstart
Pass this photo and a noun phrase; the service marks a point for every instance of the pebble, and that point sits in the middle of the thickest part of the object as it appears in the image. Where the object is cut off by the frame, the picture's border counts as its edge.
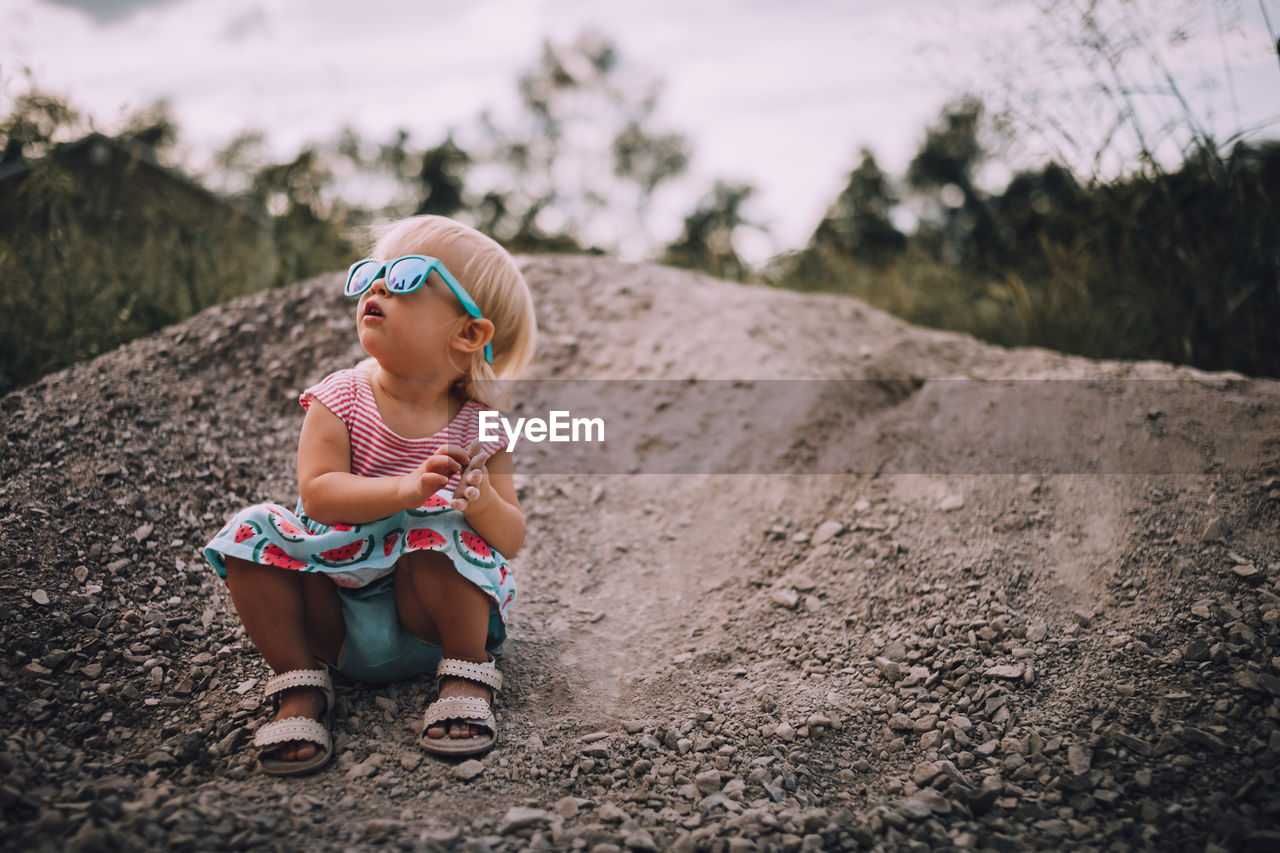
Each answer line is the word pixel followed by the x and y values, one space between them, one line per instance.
pixel 468 770
pixel 785 597
pixel 519 817
pixel 707 782
pixel 1008 672
pixel 1216 530
pixel 827 531
pixel 40 597
pixel 640 840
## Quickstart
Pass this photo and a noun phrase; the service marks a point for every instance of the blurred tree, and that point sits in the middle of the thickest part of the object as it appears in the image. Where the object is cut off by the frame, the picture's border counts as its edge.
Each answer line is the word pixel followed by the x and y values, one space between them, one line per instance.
pixel 859 224
pixel 945 166
pixel 152 127
pixel 580 164
pixel 707 241
pixel 36 120
pixel 442 178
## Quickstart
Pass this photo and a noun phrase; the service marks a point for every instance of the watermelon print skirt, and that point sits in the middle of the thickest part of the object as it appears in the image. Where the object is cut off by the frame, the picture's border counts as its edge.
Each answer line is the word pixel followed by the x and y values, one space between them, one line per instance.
pixel 356 555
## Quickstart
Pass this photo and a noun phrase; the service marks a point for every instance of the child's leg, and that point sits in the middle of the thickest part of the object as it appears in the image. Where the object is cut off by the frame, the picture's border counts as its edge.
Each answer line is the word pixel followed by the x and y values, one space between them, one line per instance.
pixel 292 618
pixel 437 604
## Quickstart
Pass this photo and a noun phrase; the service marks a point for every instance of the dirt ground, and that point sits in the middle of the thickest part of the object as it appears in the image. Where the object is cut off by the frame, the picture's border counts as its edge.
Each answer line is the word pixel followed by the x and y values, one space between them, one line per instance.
pixel 889 589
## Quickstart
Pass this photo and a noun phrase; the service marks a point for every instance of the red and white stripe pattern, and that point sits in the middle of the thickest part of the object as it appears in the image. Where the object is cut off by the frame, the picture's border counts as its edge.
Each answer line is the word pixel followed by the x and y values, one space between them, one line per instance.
pixel 376 451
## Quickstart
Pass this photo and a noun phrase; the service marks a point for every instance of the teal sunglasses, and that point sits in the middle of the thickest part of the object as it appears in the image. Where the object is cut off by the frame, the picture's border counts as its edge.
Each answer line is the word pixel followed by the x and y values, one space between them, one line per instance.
pixel 406 274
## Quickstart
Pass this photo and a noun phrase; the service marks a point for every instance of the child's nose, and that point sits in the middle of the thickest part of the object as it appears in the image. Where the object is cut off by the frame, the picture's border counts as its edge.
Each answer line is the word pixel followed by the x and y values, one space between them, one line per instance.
pixel 379 287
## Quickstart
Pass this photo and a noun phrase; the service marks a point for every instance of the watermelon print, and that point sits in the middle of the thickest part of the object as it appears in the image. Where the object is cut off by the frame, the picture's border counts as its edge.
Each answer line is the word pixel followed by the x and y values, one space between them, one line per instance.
pixel 345 555
pixel 426 539
pixel 287 530
pixel 247 530
pixel 346 528
pixel 474 549
pixel 390 541
pixel 435 505
pixel 270 554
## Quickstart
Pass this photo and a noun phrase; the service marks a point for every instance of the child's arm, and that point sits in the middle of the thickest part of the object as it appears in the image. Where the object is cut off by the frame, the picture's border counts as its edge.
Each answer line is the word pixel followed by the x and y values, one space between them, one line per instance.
pixel 331 494
pixel 494 512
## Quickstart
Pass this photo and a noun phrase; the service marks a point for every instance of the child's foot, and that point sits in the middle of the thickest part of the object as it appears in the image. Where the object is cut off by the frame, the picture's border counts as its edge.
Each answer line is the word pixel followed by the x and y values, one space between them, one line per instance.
pixel 456 728
pixel 299 702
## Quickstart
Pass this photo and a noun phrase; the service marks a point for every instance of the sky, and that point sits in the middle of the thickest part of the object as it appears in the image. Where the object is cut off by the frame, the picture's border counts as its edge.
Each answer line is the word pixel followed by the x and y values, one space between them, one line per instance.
pixel 781 95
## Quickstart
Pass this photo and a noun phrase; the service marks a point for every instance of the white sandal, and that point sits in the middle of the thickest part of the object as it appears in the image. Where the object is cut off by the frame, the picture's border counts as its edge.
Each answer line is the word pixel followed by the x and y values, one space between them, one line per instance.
pixel 270 736
pixel 465 709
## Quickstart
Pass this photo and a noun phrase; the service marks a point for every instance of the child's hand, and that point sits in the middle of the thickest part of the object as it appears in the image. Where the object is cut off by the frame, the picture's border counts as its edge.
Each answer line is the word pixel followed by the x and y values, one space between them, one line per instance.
pixel 431 476
pixel 474 490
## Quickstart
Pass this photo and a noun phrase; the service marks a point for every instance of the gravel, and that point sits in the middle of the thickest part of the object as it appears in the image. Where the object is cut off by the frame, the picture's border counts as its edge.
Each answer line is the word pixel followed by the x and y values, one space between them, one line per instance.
pixel 1049 661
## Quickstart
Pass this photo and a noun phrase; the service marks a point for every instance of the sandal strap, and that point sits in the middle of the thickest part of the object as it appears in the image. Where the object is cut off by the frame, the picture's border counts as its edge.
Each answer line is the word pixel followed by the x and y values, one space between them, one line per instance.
pixel 481 673
pixel 467 709
pixel 294 729
pixel 302 678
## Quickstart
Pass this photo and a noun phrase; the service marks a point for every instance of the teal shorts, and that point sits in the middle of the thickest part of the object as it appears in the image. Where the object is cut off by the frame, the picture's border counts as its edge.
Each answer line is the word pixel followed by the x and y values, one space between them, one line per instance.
pixel 379 649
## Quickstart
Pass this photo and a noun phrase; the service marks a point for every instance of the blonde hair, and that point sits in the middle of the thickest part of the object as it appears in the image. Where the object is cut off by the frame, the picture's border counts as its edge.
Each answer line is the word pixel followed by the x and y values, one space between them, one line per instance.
pixel 490 275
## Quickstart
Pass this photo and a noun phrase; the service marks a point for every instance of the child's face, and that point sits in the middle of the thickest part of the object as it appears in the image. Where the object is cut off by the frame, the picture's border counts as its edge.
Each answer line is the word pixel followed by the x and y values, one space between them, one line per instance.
pixel 410 333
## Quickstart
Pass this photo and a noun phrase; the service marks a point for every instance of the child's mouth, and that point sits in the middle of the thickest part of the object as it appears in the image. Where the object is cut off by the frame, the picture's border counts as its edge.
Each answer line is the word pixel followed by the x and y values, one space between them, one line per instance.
pixel 372 310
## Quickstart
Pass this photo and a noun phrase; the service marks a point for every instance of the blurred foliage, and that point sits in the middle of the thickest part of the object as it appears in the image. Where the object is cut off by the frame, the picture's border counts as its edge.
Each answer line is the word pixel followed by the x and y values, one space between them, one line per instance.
pixel 1182 266
pixel 580 163
pixel 101 242
pixel 707 240
pixel 99 245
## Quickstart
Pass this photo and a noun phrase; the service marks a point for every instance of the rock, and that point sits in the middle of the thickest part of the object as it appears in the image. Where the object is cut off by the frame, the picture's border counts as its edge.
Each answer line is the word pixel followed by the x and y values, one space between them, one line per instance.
pixel 1007 672
pixel 1196 651
pixel 640 840
pixel 915 809
pixel 40 597
pixel 519 817
pixel 1131 743
pixel 1078 759
pixel 900 722
pixel 890 669
pixel 468 770
pixel 951 503
pixel 1248 571
pixel 932 800
pixel 707 782
pixel 1216 530
pixel 1205 739
pixel 827 531
pixel 785 597
pixel 159 758
pixel 785 732
pixel 611 813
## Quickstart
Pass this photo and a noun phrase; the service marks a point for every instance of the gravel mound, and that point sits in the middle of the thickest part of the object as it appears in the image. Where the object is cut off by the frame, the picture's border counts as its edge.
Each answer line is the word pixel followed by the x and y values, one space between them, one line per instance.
pixel 916 655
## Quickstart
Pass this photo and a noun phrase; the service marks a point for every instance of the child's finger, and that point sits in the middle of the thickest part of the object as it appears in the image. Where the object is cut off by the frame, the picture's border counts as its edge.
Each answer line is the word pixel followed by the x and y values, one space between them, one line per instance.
pixel 457 454
pixel 430 482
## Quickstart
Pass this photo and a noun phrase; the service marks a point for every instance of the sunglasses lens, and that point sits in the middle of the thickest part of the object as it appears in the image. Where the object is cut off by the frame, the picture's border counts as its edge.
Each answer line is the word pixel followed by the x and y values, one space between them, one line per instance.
pixel 407 275
pixel 361 276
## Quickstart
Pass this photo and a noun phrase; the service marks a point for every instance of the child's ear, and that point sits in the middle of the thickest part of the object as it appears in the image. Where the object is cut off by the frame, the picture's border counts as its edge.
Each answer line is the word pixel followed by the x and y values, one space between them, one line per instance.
pixel 472 337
